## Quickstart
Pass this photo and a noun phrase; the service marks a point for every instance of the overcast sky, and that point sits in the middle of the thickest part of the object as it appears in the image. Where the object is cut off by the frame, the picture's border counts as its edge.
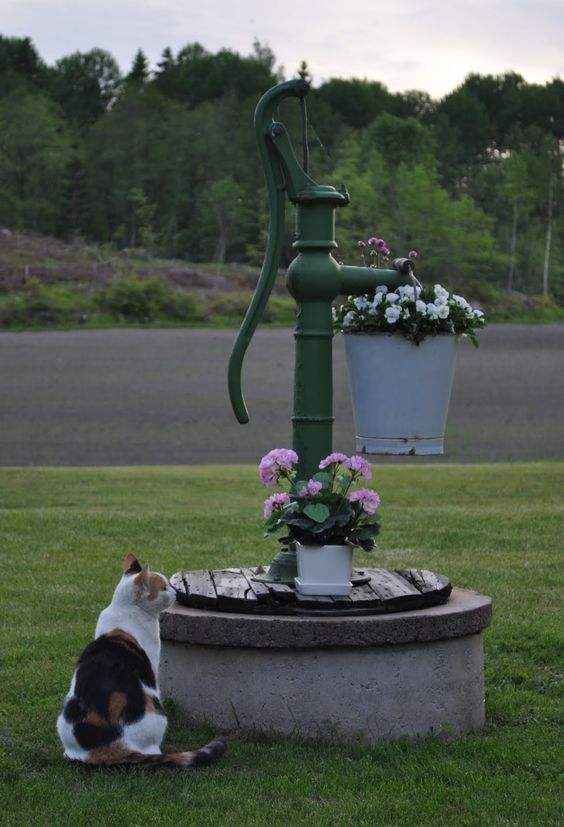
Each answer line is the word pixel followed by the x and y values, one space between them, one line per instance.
pixel 405 44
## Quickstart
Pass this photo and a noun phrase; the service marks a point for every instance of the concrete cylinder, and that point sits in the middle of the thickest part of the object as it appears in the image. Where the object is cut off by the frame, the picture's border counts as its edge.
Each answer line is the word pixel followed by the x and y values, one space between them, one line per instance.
pixel 350 679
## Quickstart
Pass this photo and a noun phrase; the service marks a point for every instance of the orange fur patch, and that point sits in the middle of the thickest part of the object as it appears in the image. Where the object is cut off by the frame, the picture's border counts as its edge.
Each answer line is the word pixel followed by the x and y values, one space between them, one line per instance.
pixel 142 579
pixel 103 756
pixel 125 635
pixel 116 705
pixel 158 584
pixel 94 719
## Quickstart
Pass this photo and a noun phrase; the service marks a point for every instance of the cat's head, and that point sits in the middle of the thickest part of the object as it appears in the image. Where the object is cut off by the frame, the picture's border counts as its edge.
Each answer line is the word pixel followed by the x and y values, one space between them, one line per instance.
pixel 144 587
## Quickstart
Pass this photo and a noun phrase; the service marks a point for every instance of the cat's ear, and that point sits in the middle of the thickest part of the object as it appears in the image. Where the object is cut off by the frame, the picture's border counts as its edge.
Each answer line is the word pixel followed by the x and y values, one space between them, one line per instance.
pixel 143 579
pixel 131 564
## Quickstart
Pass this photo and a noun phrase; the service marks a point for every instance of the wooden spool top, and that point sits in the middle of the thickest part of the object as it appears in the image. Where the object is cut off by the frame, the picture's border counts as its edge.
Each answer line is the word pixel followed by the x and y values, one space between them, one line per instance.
pixel 234 590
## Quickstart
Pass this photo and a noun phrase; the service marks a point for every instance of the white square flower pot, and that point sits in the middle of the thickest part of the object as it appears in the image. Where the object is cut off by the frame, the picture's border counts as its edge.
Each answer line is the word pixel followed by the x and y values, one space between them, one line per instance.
pixel 400 391
pixel 324 570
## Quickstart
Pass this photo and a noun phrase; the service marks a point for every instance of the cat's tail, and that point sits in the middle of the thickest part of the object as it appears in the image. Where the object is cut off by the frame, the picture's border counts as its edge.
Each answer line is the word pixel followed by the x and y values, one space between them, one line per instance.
pixel 115 756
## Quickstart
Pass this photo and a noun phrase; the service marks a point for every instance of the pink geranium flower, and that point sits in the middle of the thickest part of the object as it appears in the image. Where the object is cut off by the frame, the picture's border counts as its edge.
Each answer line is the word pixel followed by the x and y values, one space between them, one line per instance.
pixel 275 464
pixel 369 500
pixel 312 489
pixel 360 466
pixel 275 503
pixel 342 458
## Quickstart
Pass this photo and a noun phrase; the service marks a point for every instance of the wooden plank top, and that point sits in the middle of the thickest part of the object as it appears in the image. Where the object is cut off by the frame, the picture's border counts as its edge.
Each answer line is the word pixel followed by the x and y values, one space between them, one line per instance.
pixel 235 590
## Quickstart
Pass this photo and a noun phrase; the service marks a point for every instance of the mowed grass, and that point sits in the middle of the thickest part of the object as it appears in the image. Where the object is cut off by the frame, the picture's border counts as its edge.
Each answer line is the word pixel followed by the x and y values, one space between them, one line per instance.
pixel 498 529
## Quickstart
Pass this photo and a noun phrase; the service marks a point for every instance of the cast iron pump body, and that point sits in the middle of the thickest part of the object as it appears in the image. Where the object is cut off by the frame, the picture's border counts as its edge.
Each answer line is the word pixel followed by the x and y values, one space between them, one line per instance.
pixel 314 279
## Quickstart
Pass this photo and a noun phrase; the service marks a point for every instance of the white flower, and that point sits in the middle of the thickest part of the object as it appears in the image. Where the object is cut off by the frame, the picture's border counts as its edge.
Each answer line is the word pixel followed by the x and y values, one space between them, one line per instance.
pixel 441 295
pixel 444 311
pixel 478 314
pixel 361 304
pixel 377 300
pixel 405 314
pixel 407 292
pixel 460 301
pixel 392 297
pixel 392 314
pixel 350 319
pixel 432 311
pixel 334 313
pixel 381 289
pixel 421 307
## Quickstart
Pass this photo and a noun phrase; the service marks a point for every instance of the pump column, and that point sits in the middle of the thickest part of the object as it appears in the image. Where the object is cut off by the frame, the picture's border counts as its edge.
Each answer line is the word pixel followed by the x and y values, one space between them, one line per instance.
pixel 313 281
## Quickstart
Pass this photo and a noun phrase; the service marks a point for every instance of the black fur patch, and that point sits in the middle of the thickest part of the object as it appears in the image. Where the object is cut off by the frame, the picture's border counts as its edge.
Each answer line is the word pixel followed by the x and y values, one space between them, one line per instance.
pixel 90 736
pixel 134 568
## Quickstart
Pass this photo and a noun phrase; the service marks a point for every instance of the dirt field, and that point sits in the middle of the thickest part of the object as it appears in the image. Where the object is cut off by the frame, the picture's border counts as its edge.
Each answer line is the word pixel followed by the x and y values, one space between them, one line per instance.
pixel 148 397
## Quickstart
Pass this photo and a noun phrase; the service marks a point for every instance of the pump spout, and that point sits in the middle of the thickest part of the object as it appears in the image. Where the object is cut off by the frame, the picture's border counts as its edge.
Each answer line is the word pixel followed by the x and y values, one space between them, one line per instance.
pixel 277 187
pixel 357 280
pixel 256 308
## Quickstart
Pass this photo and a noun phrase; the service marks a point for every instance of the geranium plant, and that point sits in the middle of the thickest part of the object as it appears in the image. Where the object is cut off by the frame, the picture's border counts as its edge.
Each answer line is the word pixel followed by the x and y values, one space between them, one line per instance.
pixel 326 509
pixel 411 310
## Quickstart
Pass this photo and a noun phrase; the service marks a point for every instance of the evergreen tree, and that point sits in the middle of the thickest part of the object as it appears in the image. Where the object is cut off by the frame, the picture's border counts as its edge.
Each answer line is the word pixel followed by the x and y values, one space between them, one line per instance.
pixel 166 74
pixel 20 64
pixel 139 72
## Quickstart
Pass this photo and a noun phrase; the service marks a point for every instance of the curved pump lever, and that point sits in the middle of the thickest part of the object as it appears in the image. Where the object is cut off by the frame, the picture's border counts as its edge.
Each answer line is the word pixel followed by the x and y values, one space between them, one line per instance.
pixel 276 188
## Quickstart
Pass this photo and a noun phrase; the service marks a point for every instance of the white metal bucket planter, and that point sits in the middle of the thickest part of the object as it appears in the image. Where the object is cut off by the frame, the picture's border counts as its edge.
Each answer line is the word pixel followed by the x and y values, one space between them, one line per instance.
pixel 324 570
pixel 400 391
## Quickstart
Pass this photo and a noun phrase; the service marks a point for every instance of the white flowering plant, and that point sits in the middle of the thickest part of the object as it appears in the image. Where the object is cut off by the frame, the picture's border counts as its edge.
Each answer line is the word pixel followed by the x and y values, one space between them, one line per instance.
pixel 323 510
pixel 411 310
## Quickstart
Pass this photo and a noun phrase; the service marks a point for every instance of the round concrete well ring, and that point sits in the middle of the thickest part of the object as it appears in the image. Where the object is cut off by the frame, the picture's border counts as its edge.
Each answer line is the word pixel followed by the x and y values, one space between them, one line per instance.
pixel 364 678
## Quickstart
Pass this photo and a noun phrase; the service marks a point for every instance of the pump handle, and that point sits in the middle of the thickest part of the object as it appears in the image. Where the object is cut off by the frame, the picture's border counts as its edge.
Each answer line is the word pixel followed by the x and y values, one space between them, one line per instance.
pixel 276 189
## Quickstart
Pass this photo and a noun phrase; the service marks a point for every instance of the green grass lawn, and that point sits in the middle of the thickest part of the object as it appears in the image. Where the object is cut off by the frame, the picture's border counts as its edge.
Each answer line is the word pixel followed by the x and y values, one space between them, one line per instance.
pixel 498 529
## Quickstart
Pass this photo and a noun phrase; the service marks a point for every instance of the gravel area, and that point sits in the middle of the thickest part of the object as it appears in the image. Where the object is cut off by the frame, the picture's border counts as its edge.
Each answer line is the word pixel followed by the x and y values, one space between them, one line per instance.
pixel 159 397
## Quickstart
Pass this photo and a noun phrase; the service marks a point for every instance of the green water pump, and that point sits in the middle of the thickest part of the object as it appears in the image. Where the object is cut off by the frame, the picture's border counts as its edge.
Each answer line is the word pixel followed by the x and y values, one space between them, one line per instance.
pixel 314 280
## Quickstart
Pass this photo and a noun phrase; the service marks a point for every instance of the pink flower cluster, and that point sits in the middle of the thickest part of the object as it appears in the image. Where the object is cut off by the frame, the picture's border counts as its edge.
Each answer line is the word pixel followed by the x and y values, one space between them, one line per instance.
pixel 275 503
pixel 311 489
pixel 380 244
pixel 360 466
pixel 356 464
pixel 369 500
pixel 342 458
pixel 275 464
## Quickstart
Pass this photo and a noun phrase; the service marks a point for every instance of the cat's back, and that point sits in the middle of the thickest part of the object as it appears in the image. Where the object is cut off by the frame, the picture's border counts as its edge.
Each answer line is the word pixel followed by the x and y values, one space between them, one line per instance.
pixel 113 686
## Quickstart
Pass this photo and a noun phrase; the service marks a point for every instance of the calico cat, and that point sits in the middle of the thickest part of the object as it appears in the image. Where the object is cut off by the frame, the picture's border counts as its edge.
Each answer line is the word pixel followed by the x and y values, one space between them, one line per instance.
pixel 112 714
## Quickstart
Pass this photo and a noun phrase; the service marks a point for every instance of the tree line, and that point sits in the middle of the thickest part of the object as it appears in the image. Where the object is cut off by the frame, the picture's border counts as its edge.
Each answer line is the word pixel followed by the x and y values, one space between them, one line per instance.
pixel 166 160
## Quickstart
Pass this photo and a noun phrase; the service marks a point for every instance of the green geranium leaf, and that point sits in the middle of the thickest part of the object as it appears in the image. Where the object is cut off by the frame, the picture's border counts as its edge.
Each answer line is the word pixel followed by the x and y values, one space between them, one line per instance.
pixel 366 545
pixel 365 532
pixel 271 522
pixel 299 522
pixel 341 520
pixel 317 511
